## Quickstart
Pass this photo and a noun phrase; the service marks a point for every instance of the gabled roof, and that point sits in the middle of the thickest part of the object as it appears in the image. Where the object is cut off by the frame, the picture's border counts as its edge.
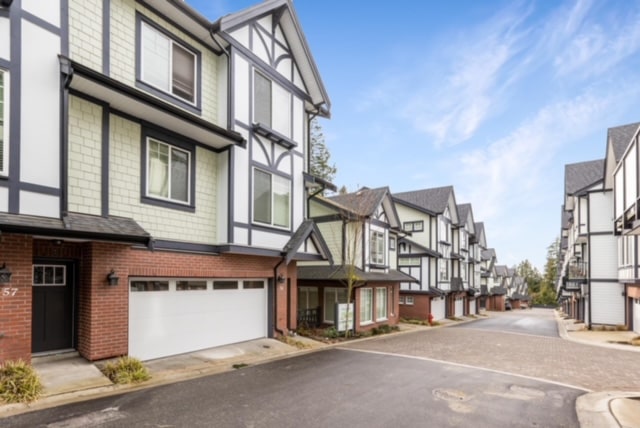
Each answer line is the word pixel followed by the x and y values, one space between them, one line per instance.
pixel 365 202
pixel 488 254
pixel 481 237
pixel 422 250
pixel 619 137
pixel 307 229
pixel 463 212
pixel 434 200
pixel 501 270
pixel 579 176
pixel 288 20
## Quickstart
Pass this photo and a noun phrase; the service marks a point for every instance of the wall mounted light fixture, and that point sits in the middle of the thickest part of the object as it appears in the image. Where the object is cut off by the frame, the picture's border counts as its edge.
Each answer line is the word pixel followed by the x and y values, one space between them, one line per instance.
pixel 5 274
pixel 112 278
pixel 280 278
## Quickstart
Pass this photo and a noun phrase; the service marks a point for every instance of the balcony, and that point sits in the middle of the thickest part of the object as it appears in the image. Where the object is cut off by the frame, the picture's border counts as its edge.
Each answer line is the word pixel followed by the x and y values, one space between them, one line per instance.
pixel 576 274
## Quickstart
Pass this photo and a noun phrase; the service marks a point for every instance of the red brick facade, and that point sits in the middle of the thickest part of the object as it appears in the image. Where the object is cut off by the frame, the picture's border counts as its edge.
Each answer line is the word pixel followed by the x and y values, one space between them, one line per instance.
pixel 420 309
pixel 103 310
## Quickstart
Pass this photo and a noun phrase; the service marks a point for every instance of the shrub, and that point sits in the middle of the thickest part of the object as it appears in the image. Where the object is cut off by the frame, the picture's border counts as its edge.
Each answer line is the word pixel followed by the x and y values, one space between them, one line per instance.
pixel 19 382
pixel 293 342
pixel 126 370
pixel 331 333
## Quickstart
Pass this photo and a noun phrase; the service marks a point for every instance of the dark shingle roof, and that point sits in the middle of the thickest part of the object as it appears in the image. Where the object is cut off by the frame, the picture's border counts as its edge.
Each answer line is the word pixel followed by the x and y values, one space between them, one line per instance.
pixel 75 225
pixel 339 273
pixel 434 200
pixel 363 202
pixel 501 270
pixel 307 229
pixel 463 212
pixel 578 176
pixel 620 137
pixel 488 254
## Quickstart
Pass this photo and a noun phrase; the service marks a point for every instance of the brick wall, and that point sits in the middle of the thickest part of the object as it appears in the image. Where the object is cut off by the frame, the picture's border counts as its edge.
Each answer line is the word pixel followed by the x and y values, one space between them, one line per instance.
pixel 419 310
pixel 15 298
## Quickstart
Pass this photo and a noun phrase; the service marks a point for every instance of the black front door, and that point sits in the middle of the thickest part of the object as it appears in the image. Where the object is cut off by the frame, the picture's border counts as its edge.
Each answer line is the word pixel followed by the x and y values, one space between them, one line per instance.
pixel 52 324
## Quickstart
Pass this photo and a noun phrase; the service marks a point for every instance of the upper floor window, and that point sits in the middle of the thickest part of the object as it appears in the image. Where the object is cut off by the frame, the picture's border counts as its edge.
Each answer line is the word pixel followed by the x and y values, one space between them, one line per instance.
pixel 271 199
pixel 413 226
pixel 377 248
pixel 261 99
pixel 4 119
pixel 168 172
pixel 392 243
pixel 167 65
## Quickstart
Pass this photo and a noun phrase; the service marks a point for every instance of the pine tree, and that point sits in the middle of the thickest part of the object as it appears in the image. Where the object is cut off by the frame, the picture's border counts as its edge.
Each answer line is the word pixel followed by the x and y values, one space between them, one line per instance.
pixel 547 294
pixel 319 155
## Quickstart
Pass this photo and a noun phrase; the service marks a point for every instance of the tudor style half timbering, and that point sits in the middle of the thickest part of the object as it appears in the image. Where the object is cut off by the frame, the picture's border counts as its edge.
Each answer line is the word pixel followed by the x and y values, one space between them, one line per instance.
pixel 151 158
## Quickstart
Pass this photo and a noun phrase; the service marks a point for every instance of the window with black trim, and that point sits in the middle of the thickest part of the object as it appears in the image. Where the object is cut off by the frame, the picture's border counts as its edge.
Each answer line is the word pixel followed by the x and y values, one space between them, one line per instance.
pixel 271 199
pixel 4 115
pixel 168 172
pixel 377 248
pixel 261 99
pixel 413 226
pixel 166 64
pixel 392 243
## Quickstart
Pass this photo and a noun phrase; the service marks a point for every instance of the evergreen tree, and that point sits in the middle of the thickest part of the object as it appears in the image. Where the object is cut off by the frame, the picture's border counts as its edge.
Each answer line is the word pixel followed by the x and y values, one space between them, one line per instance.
pixel 531 275
pixel 547 294
pixel 319 165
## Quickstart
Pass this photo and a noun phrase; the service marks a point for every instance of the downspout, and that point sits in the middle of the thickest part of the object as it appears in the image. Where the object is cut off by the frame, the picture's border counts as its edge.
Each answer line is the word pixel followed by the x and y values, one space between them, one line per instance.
pixel 275 297
pixel 213 30
pixel 589 248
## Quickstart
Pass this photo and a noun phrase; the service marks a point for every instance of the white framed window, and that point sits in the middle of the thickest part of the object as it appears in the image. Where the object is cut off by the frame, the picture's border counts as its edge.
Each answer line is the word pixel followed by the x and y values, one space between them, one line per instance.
pixel 366 306
pixel 409 261
pixel 381 303
pixel 262 96
pixel 408 300
pixel 168 172
pixel 4 122
pixel 271 199
pixel 392 243
pixel 166 64
pixel 331 297
pixel 377 248
pixel 444 269
pixel 401 300
pixel 308 298
pixel 413 226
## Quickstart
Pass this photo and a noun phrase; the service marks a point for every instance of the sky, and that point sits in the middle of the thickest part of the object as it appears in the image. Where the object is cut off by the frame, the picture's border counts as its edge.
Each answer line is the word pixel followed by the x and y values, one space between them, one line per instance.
pixel 493 97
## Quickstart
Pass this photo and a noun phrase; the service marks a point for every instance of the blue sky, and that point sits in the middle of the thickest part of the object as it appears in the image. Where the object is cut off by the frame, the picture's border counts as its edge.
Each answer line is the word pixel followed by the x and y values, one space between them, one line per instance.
pixel 492 97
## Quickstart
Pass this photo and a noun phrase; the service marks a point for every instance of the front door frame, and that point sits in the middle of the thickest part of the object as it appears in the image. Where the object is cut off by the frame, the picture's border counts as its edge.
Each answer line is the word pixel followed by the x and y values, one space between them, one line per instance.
pixel 72 272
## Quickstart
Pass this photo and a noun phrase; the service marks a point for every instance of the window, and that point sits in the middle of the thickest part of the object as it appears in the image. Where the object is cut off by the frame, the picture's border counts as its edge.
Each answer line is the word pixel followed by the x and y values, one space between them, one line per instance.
pixel 149 286
pixel 444 269
pixel 167 65
pixel 401 300
pixel 4 121
pixel 191 285
pixel 409 261
pixel 408 300
pixel 392 244
pixel 252 285
pixel 261 100
pixel 271 199
pixel 49 275
pixel 366 306
pixel 381 303
pixel 308 298
pixel 331 297
pixel 225 285
pixel 168 172
pixel 413 226
pixel 377 248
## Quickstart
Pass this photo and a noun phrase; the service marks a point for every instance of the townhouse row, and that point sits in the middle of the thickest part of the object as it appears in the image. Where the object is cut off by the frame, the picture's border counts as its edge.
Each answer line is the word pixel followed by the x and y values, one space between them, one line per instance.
pixel 155 196
pixel 599 278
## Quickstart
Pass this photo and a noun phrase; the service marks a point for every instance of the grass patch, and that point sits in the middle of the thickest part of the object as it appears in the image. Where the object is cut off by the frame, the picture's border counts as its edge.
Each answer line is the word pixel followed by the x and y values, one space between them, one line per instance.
pixel 126 370
pixel 240 366
pixel 418 322
pixel 294 342
pixel 19 382
pixel 454 318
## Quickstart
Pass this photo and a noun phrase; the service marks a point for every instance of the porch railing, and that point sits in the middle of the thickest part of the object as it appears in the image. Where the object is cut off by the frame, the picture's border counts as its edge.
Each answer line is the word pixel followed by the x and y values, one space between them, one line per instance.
pixel 309 317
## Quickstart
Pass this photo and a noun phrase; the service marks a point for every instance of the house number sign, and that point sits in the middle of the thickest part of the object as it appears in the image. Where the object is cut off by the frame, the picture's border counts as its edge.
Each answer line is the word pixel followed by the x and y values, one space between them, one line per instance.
pixel 9 291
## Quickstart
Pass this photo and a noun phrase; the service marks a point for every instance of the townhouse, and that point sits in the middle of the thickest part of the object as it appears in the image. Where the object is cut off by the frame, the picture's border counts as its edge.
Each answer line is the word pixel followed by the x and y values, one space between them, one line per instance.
pixel 598 244
pixel 621 175
pixel 153 177
pixel 360 290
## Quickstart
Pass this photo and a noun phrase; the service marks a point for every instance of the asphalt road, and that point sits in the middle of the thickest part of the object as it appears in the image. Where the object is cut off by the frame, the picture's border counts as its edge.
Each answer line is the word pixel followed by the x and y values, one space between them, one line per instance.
pixel 332 388
pixel 537 322
pixel 486 373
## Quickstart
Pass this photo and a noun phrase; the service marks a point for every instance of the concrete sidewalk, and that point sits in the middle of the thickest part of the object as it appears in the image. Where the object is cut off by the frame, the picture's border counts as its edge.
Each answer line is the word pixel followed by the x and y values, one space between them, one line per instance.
pixel 69 378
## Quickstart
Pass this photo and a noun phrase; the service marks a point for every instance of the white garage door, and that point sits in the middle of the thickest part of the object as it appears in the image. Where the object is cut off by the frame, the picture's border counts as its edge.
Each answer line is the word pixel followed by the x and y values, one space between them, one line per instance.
pixel 174 316
pixel 459 308
pixel 472 306
pixel 636 316
pixel 437 308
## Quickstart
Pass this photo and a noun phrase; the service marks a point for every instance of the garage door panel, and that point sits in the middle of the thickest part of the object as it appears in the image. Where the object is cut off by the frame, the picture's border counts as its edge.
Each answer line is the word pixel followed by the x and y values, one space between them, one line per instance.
pixel 163 323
